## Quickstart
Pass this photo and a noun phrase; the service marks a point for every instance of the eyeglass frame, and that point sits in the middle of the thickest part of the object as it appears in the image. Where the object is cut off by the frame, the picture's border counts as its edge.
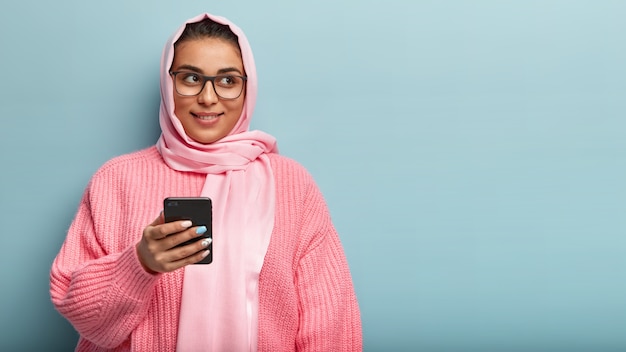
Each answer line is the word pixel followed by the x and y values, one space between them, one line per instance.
pixel 206 79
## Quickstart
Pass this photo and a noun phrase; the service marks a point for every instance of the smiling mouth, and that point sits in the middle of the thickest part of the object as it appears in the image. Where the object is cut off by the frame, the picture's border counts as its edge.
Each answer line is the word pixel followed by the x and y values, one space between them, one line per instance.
pixel 206 117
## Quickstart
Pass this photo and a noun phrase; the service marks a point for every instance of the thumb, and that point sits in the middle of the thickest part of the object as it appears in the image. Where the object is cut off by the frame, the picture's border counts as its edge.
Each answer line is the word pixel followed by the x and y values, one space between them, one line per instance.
pixel 159 220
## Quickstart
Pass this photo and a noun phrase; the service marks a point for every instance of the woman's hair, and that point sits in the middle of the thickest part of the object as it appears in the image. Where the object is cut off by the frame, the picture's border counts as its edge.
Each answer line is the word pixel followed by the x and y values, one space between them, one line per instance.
pixel 207 28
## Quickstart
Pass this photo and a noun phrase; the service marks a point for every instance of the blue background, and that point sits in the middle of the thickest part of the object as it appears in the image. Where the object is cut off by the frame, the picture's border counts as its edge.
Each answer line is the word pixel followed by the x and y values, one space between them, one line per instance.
pixel 471 153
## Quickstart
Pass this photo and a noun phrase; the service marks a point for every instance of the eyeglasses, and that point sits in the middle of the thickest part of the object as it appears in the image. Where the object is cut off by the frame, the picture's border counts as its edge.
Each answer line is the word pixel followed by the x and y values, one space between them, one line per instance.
pixel 189 83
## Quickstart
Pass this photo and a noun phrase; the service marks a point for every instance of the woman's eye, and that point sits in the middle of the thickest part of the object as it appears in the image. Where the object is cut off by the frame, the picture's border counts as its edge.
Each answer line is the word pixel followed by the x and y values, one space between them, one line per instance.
pixel 226 80
pixel 191 78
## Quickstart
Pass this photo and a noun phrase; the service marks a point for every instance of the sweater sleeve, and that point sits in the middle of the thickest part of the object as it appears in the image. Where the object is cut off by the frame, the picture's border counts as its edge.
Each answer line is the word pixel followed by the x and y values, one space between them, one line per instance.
pixel 330 318
pixel 104 294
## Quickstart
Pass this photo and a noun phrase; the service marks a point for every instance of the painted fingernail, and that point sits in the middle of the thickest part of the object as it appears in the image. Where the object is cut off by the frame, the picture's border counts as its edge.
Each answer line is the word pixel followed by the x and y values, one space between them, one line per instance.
pixel 200 230
pixel 205 253
pixel 205 242
pixel 186 224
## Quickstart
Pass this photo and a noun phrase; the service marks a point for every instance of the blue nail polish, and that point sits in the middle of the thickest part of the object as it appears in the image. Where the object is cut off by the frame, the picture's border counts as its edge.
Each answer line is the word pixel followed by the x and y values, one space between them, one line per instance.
pixel 200 230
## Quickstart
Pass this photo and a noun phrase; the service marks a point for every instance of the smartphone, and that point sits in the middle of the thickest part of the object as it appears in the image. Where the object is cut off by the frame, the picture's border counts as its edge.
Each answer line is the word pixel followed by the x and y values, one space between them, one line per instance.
pixel 197 209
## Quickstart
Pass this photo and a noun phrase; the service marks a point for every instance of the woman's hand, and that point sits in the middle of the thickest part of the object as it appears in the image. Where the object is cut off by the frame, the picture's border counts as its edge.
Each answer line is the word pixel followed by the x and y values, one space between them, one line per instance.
pixel 156 249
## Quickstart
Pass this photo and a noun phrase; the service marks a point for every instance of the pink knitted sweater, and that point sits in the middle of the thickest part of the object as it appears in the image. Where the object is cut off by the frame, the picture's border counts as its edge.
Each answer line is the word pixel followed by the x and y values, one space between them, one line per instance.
pixel 306 298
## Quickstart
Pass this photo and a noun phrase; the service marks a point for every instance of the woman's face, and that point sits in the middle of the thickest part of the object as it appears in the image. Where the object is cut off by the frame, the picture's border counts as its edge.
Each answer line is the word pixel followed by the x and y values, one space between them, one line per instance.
pixel 206 117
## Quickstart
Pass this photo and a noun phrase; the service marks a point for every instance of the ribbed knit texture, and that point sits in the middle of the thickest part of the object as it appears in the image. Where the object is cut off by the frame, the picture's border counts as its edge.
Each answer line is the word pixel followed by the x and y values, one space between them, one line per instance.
pixel 306 298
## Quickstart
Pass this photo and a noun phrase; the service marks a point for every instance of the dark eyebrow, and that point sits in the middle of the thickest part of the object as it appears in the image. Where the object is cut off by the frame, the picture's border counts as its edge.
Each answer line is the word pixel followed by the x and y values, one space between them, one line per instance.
pixel 190 68
pixel 199 70
pixel 229 69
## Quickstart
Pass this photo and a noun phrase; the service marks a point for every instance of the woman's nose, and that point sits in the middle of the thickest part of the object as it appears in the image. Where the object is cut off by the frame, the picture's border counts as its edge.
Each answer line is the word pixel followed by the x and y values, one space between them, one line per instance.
pixel 208 95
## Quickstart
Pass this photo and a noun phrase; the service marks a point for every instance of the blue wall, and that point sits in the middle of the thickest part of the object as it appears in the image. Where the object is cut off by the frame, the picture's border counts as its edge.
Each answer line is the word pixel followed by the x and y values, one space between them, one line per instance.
pixel 472 154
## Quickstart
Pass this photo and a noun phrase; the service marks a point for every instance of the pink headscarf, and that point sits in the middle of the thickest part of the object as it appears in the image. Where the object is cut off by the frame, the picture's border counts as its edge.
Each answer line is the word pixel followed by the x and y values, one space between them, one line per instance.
pixel 219 309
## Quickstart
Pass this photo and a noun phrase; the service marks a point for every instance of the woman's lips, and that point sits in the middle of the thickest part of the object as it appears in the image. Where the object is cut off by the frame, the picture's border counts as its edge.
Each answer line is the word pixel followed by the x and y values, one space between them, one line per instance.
pixel 207 118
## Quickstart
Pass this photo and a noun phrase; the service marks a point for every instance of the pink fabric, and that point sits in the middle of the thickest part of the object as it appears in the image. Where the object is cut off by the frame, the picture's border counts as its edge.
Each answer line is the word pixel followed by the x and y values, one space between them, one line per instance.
pixel 306 297
pixel 219 310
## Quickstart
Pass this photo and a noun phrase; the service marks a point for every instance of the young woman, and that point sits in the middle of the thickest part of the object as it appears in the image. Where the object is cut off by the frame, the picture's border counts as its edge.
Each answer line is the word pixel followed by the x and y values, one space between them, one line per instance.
pixel 279 280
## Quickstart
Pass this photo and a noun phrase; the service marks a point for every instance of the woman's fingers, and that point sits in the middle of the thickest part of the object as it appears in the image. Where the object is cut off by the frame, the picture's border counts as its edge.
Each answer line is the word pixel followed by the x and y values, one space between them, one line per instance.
pixel 159 249
pixel 174 240
pixel 185 255
pixel 158 230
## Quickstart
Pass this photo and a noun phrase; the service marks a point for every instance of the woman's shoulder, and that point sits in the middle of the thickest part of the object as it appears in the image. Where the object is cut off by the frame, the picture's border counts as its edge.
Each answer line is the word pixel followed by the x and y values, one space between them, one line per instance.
pixel 122 164
pixel 290 173
pixel 285 165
